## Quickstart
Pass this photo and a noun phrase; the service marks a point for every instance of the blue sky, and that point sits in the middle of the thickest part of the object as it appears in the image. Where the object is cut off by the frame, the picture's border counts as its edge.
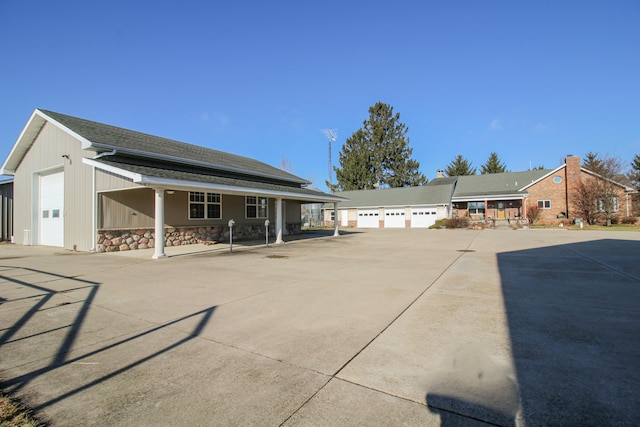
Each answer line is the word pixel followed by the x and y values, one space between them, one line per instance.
pixel 532 81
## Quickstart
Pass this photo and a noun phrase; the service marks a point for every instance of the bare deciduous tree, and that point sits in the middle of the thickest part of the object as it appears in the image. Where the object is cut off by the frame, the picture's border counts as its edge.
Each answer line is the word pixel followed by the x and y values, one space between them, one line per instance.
pixel 598 193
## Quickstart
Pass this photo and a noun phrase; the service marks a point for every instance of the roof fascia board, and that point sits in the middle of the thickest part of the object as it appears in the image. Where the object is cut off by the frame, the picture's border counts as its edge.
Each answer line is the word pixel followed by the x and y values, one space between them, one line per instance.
pixel 485 197
pixel 85 142
pixel 29 133
pixel 626 189
pixel 135 177
pixel 173 159
pixel 543 177
pixel 232 189
pixel 176 184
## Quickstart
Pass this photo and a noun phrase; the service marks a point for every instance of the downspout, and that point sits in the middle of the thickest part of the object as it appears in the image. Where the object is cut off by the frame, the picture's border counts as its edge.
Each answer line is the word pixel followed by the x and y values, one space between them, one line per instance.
pixel 106 153
pixel 94 210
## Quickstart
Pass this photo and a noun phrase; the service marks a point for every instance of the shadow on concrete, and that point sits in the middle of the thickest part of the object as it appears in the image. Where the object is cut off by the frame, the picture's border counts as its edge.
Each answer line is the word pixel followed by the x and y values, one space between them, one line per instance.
pixel 61 357
pixel 574 324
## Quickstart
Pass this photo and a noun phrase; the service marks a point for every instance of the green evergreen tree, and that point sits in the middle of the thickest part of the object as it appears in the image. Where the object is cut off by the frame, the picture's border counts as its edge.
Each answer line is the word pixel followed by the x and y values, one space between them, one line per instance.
pixel 378 154
pixel 593 162
pixel 493 165
pixel 460 167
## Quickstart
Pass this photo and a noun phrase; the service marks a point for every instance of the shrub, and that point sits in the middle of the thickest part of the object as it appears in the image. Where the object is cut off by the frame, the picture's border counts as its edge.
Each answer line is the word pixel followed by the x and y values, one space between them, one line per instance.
pixel 629 220
pixel 533 213
pixel 456 223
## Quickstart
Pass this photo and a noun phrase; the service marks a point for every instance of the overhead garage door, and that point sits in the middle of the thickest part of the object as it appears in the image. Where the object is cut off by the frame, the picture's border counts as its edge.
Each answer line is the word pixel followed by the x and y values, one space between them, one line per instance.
pixel 368 218
pixel 423 217
pixel 52 209
pixel 394 218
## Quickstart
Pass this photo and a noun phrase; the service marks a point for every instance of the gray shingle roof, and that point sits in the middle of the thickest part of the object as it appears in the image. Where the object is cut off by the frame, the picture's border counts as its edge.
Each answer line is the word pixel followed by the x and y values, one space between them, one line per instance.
pixel 436 192
pixel 107 137
pixel 154 172
pixel 496 183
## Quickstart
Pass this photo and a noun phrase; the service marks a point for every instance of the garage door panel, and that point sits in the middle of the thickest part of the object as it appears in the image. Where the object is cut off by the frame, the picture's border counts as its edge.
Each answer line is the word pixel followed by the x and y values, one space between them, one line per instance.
pixel 394 218
pixel 368 218
pixel 423 217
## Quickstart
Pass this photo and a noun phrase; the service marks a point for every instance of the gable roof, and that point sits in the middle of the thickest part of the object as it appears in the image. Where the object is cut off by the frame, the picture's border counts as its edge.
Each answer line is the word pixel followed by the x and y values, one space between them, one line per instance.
pixel 496 184
pixel 436 192
pixel 152 160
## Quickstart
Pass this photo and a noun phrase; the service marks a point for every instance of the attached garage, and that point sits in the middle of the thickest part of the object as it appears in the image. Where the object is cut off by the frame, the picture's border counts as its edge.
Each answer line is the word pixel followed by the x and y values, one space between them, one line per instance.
pixel 394 218
pixel 423 217
pixel 368 218
pixel 51 210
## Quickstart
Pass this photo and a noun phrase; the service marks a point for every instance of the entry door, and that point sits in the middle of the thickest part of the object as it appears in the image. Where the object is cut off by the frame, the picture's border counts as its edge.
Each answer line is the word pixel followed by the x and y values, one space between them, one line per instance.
pixel 501 210
pixel 52 209
pixel 344 218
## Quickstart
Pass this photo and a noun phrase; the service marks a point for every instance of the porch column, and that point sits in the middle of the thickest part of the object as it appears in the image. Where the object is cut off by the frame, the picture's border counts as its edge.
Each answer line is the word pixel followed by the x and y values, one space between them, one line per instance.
pixel 279 221
pixel 335 219
pixel 159 225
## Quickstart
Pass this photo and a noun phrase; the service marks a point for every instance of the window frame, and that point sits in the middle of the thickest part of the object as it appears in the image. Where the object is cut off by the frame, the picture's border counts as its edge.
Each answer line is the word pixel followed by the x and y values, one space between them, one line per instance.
pixel 208 200
pixel 259 208
pixel 476 208
pixel 543 204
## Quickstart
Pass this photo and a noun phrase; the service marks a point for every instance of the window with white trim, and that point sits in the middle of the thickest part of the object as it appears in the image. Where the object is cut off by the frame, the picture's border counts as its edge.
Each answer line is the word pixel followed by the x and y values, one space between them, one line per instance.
pixel 205 205
pixel 256 207
pixel 544 204
pixel 475 208
pixel 614 204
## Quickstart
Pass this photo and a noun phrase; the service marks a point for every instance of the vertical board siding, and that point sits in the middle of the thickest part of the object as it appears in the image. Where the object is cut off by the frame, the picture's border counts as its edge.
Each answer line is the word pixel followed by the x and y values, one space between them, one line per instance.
pixel 45 156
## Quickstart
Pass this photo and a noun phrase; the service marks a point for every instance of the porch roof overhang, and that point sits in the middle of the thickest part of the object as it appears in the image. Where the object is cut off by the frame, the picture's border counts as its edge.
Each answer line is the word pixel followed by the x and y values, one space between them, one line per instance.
pixel 483 197
pixel 191 181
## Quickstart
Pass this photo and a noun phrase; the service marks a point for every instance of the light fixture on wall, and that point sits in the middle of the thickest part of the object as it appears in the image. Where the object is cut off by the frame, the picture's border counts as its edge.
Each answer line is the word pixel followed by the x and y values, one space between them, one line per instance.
pixel 170 191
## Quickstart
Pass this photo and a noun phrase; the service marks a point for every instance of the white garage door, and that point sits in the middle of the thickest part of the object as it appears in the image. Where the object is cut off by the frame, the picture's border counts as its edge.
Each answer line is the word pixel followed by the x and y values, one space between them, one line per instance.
pixel 423 217
pixel 52 209
pixel 368 218
pixel 394 218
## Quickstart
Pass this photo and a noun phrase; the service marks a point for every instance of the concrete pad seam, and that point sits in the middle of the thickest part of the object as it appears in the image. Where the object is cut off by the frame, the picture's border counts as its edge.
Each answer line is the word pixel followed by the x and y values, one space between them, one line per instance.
pixel 608 267
pixel 406 308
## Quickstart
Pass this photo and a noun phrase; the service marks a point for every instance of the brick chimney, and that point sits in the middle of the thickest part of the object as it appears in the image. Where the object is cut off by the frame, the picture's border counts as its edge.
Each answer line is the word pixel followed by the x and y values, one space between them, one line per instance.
pixel 572 179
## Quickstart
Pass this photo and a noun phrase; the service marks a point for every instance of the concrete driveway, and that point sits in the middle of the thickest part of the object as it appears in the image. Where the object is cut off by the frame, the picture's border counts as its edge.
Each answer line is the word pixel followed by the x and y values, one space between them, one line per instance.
pixel 379 327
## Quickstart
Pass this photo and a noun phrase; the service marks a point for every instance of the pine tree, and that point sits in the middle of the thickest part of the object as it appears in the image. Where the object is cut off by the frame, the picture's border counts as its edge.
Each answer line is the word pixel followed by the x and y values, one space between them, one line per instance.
pixel 493 165
pixel 593 162
pixel 460 167
pixel 378 154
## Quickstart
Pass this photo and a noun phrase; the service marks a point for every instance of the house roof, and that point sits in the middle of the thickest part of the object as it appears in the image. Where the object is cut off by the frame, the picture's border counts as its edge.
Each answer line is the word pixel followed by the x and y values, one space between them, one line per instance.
pixel 496 184
pixel 436 192
pixel 152 160
pixel 150 173
pixel 101 137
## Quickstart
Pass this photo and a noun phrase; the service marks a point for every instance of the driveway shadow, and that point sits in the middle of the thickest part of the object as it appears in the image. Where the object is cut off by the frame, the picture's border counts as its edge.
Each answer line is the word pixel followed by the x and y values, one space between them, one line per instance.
pixel 42 295
pixel 573 320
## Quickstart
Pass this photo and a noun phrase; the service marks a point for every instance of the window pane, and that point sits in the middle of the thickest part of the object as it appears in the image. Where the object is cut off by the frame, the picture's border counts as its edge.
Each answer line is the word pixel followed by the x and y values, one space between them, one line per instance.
pixel 45 214
pixel 196 210
pixel 55 213
pixel 213 211
pixel 213 197
pixel 251 200
pixel 262 200
pixel 262 211
pixel 251 211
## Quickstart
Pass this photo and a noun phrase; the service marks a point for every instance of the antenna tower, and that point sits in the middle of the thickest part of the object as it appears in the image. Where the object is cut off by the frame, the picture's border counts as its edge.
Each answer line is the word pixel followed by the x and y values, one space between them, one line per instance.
pixel 332 135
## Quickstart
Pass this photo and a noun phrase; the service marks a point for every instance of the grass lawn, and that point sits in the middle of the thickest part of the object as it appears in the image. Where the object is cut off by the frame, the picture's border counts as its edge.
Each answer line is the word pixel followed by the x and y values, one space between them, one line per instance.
pixel 13 414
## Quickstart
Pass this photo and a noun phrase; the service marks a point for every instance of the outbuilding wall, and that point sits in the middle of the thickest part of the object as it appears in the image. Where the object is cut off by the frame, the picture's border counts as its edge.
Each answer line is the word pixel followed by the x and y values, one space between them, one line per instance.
pixel 43 157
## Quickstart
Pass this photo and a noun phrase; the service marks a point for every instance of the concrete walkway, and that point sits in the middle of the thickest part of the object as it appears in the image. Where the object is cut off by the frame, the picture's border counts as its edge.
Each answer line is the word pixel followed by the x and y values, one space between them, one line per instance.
pixel 379 327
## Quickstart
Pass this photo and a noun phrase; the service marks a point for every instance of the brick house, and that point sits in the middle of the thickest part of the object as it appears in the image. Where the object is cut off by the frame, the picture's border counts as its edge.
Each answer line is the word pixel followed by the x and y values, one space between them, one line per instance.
pixel 556 194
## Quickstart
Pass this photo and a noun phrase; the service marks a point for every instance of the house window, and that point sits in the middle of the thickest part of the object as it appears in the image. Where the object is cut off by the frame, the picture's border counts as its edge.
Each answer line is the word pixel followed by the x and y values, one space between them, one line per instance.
pixel 475 208
pixel 614 204
pixel 205 205
pixel 256 207
pixel 544 204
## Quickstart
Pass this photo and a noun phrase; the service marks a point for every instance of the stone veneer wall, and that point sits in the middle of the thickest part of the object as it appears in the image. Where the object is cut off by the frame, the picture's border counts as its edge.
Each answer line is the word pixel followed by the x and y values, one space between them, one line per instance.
pixel 113 240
